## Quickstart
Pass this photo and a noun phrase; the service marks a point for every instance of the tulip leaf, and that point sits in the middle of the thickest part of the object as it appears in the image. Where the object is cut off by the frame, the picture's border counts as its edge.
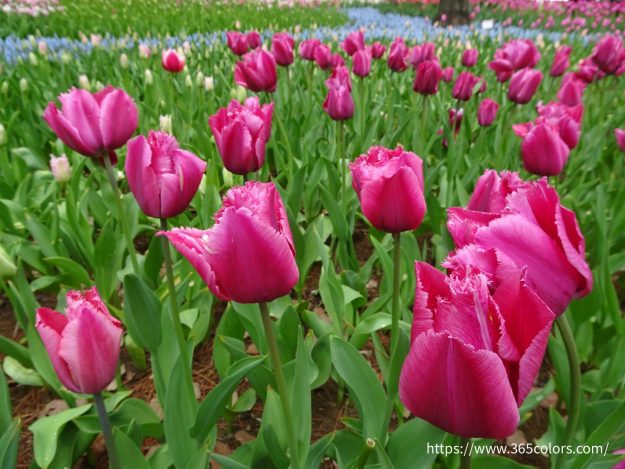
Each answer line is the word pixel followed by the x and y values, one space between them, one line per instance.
pixel 5 404
pixel 75 274
pixel 15 350
pixel 128 451
pixel 300 401
pixel 408 445
pixel 9 444
pixel 227 463
pixel 142 313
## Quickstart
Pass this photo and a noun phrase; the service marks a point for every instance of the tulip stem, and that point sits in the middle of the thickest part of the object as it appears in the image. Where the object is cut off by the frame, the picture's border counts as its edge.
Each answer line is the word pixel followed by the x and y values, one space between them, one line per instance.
pixel 120 213
pixel 285 136
pixel 106 430
pixel 175 314
pixel 342 164
pixel 465 454
pixel 575 382
pixel 274 355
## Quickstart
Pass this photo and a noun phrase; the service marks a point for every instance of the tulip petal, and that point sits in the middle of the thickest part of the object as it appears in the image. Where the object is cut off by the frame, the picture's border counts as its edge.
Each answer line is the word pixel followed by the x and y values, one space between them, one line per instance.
pixel 81 108
pixel 119 119
pixel 462 224
pixel 431 286
pixel 175 198
pixel 236 151
pixel 141 177
pixel 66 131
pixel 459 389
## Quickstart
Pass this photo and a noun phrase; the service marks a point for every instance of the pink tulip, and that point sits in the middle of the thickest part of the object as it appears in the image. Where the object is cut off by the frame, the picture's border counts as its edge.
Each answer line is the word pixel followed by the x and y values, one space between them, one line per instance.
pixel 377 50
pixel 339 103
pixel 237 42
pixel 588 71
pixel 428 76
pixel 620 138
pixel 523 85
pixel 253 39
pixel 257 71
pixel 543 150
pixel 465 86
pixel 162 177
pixel 389 184
pixel 248 255
pixel 486 112
pixel 282 45
pixel 60 168
pixel 455 119
pixel 398 56
pixel 93 124
pixel 353 43
pixel 560 61
pixel 241 132
pixel 323 57
pixel 520 53
pixel 83 344
pixel 307 49
pixel 172 61
pixel 448 74
pixel 571 90
pixel 339 76
pixel 474 353
pixel 514 225
pixel 145 51
pixel 469 57
pixel 503 69
pixel 566 119
pixel 361 65
pixel 609 54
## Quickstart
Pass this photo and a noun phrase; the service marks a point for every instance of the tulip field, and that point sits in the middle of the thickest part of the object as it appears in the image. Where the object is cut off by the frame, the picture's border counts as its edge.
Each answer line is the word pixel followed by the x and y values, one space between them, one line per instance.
pixel 312 235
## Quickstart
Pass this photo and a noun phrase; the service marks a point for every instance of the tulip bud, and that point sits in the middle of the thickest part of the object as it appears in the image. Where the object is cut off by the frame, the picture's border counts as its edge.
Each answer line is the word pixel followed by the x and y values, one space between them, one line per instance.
pixel 42 47
pixel 83 82
pixel 469 57
pixel 620 138
pixel 487 112
pixel 209 83
pixel 199 79
pixel 188 81
pixel 3 135
pixel 165 123
pixel 144 51
pixel 465 86
pixel 60 168
pixel 523 85
pixel 361 62
pixel 282 45
pixel 32 58
pixel 123 61
pixel 543 150
pixel 149 79
pixel 172 60
pixel 5 87
pixel 257 72
pixel 24 85
pixel 66 57
pixel 428 75
pixel 7 266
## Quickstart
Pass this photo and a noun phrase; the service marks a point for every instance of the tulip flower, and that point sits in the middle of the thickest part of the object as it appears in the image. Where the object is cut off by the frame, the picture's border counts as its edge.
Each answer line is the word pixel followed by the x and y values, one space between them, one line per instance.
pixel 588 71
pixel 527 227
pixel 336 61
pixel 428 75
pixel 567 120
pixel 94 125
pixel 523 85
pixel 389 184
pixel 61 170
pixel 339 103
pixel 520 53
pixel 543 150
pixel 398 56
pixel 377 50
pixel 455 119
pixel 486 112
pixel 282 45
pixel 172 61
pixel 253 39
pixel 353 43
pixel 619 134
pixel 248 255
pixel 609 54
pixel 474 355
pixel 307 49
pixel 323 57
pixel 465 86
pixel 571 90
pixel 448 74
pixel 237 42
pixel 257 71
pixel 83 344
pixel 162 177
pixel 502 68
pixel 560 61
pixel 361 63
pixel 241 132
pixel 469 57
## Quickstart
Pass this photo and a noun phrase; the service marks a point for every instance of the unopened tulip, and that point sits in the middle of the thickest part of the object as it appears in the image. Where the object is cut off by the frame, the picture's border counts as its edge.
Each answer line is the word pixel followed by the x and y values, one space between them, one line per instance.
pixel 339 103
pixel 620 138
pixel 543 150
pixel 469 57
pixel 560 61
pixel 172 61
pixel 253 39
pixel 474 355
pixel 398 56
pixel 389 184
pixel 323 57
pixel 609 54
pixel 361 65
pixel 162 177
pixel 571 90
pixel 83 344
pixel 144 51
pixel 486 112
pixel 237 42
pixel 523 85
pixel 3 135
pixel 248 255
pixel 93 124
pixel 377 50
pixel 502 68
pixel 588 71
pixel 282 45
pixel 307 49
pixel 465 86
pixel 353 43
pixel 455 119
pixel 448 74
pixel 427 77
pixel 61 170
pixel 241 132
pixel 566 119
pixel 257 71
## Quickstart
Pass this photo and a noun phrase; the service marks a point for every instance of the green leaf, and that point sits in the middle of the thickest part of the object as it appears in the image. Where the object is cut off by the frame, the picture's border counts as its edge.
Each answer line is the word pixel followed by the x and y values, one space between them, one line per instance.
pixel 128 451
pixel 20 374
pixel 408 445
pixel 15 350
pixel 142 311
pixel 9 444
pixel 300 402
pixel 75 274
pixel 5 404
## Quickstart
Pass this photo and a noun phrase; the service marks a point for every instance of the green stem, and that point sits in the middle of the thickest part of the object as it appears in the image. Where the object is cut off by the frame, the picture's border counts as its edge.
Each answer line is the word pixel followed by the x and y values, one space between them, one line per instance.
pixel 120 213
pixel 274 355
pixel 106 430
pixel 175 314
pixel 465 453
pixel 575 382
pixel 278 119
pixel 342 164
pixel 365 453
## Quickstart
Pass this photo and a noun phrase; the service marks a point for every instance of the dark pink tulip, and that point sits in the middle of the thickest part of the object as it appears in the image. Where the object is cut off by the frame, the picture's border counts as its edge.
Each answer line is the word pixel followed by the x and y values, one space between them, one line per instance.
pixel 337 61
pixel 307 49
pixel 571 90
pixel 520 53
pixel 560 61
pixel 465 86
pixel 415 57
pixel 353 43
pixel 389 184
pixel 377 50
pixel 339 103
pixel 282 45
pixel 339 76
pixel 588 71
pixel 323 57
pixel 620 138
pixel 257 71
pixel 361 63
pixel 428 76
pixel 241 132
pixel 248 255
pixel 83 344
pixel 474 354
pixel 455 119
pixel 543 150
pixel 609 54
pixel 93 124
pixel 172 61
pixel 492 190
pixel 469 57
pixel 253 39
pixel 237 42
pixel 162 177
pixel 398 56
pixel 448 74
pixel 486 112
pixel 566 119
pixel 502 68
pixel 523 85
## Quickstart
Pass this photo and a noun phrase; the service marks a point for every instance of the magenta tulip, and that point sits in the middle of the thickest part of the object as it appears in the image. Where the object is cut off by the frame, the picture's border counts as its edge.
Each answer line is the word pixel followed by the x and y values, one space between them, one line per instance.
pixel 502 68
pixel 571 90
pixel 162 177
pixel 523 85
pixel 241 132
pixel 609 54
pixel 253 39
pixel 257 71
pixel 455 119
pixel 448 74
pixel 428 75
pixel 619 134
pixel 237 42
pixel 560 61
pixel 543 150
pixel 567 119
pixel 398 56
pixel 474 354
pixel 353 43
pixel 307 49
pixel 93 124
pixel 83 344
pixel 172 61
pixel 465 86
pixel 389 184
pixel 282 45
pixel 520 53
pixel 486 112
pixel 339 103
pixel 248 255
pixel 323 57
pixel 469 57
pixel 377 50
pixel 361 63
